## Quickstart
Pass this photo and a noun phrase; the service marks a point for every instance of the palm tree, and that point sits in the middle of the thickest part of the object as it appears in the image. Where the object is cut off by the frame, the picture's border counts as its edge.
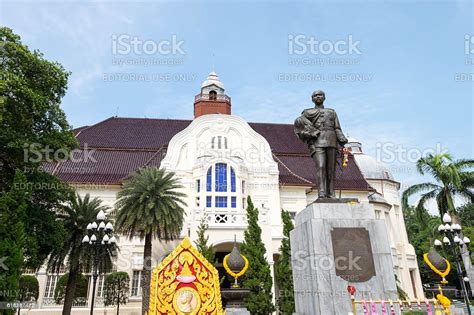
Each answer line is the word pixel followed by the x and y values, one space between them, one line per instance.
pixel 149 205
pixel 453 178
pixel 75 216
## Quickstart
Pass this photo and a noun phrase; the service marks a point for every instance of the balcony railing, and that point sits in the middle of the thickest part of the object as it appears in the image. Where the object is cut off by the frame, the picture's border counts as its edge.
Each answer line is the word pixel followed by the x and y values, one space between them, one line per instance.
pixel 51 302
pixel 207 97
pixel 225 219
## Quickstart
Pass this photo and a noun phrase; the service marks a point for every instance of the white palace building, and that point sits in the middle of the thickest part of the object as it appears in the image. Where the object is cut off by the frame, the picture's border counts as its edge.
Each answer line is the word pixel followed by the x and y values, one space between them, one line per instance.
pixel 221 159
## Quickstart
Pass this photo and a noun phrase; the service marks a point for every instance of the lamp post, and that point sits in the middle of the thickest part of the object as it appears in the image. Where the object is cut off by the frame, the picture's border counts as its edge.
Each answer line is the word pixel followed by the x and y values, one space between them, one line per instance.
pixel 100 239
pixel 454 240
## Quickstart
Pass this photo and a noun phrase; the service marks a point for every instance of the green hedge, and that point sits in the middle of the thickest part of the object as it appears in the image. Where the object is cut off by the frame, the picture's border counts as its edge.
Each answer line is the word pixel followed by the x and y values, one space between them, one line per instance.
pixel 29 289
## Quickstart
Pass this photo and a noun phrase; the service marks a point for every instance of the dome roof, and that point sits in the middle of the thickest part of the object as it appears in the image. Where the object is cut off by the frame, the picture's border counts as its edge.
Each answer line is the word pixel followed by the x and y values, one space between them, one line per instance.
pixel 355 146
pixel 212 79
pixel 376 197
pixel 353 140
pixel 370 167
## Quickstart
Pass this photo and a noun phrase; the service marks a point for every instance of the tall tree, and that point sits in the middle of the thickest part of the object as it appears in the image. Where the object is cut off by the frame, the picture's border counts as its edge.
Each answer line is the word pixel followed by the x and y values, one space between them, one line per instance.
pixel 116 288
pixel 150 205
pixel 258 277
pixel 80 292
pixel 43 231
pixel 75 216
pixel 33 128
pixel 201 243
pixel 453 178
pixel 283 273
pixel 31 90
pixel 466 216
pixel 12 239
pixel 28 290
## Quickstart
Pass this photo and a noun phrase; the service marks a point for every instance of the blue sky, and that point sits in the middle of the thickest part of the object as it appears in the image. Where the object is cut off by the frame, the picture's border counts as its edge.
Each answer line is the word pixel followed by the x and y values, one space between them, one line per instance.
pixel 411 55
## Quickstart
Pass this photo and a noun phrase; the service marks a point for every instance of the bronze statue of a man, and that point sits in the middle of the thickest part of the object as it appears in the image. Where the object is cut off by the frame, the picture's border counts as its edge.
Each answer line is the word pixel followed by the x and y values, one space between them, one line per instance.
pixel 319 128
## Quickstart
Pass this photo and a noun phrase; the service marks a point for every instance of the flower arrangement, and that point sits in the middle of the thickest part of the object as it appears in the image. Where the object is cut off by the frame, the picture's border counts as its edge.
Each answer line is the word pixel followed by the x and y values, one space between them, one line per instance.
pixel 241 272
pixel 444 301
pixel 442 274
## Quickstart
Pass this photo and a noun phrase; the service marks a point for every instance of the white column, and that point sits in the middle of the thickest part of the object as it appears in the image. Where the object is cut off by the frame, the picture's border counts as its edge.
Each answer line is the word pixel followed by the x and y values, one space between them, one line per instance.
pixel 42 277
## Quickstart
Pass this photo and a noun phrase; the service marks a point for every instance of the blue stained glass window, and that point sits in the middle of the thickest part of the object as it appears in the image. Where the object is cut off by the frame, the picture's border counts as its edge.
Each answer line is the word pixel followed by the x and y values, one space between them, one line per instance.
pixel 221 177
pixel 221 202
pixel 209 201
pixel 233 202
pixel 209 179
pixel 232 180
pixel 198 184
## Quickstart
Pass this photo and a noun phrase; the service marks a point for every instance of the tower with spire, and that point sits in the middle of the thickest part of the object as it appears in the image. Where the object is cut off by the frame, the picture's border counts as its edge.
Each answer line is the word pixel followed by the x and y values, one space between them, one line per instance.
pixel 212 99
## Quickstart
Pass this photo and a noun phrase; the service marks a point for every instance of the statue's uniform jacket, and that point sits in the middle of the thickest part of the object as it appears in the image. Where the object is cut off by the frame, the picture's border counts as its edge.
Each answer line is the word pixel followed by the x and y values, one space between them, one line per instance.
pixel 325 120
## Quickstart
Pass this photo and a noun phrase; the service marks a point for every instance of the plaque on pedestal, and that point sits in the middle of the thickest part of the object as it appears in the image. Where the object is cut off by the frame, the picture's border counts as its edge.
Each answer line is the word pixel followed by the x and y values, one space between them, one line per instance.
pixel 335 245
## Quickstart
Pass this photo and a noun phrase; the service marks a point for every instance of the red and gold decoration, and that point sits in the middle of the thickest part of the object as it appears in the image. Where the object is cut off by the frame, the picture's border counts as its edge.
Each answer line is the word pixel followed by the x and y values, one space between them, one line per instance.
pixel 185 283
pixel 352 291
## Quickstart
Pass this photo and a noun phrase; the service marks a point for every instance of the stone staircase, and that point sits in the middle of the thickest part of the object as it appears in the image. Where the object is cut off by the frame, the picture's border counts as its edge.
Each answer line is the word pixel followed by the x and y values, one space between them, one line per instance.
pixel 460 308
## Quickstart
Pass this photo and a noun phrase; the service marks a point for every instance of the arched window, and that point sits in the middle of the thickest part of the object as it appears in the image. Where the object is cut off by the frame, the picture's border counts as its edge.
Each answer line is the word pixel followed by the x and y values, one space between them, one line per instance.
pixel 209 180
pixel 221 192
pixel 219 142
pixel 221 177
pixel 212 95
pixel 232 180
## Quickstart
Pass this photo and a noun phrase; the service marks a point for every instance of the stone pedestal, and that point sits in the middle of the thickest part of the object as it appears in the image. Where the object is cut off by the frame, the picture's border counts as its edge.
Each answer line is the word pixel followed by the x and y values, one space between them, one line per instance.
pixel 363 258
pixel 235 301
pixel 236 311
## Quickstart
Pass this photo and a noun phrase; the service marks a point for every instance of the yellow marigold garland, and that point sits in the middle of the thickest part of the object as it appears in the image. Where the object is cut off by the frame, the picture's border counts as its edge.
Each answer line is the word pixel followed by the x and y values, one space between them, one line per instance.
pixel 444 301
pixel 240 273
pixel 440 273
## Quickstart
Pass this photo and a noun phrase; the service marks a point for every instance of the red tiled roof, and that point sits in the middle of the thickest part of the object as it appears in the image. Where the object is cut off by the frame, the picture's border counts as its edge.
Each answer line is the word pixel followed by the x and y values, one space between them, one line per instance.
pixel 282 138
pixel 300 170
pixel 77 130
pixel 120 146
pixel 143 133
pixel 106 166
pixel 131 133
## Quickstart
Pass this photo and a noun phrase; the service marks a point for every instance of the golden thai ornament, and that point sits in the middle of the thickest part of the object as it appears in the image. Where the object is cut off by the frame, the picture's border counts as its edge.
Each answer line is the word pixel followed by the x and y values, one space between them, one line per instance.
pixel 438 264
pixel 236 265
pixel 185 283
pixel 345 157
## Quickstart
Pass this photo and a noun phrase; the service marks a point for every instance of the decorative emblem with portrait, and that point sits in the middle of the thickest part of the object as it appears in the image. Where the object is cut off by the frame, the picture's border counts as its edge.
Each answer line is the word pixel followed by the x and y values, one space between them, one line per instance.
pixel 185 283
pixel 187 300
